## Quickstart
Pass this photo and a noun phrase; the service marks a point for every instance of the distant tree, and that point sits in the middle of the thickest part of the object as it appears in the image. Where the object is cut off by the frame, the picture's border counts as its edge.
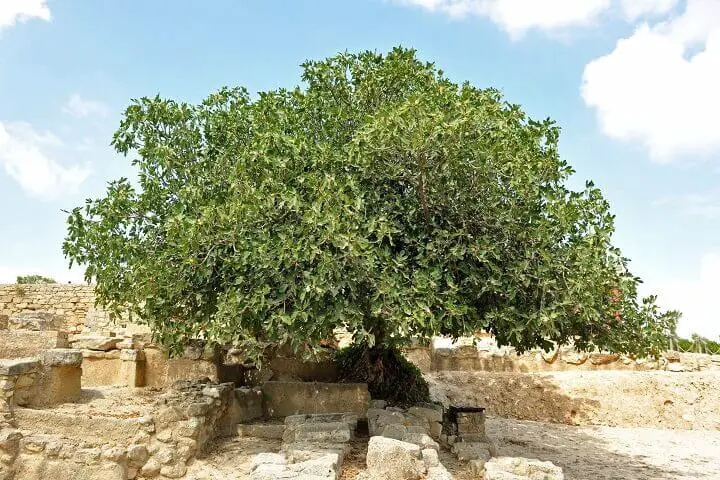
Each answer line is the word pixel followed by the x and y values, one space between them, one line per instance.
pixel 379 196
pixel 29 279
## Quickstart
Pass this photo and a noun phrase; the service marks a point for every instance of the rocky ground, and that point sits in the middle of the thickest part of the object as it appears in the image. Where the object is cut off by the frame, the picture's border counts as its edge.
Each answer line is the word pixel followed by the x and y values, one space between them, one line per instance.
pixel 584 453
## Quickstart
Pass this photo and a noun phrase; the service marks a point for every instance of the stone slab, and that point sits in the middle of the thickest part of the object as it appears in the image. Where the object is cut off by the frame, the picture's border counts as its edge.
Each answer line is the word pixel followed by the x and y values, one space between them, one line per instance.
pixel 292 398
pixel 18 366
pixel 27 343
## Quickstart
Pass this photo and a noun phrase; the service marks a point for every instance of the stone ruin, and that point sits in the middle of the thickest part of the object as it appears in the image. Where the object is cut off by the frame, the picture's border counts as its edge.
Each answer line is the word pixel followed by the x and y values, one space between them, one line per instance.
pixel 89 397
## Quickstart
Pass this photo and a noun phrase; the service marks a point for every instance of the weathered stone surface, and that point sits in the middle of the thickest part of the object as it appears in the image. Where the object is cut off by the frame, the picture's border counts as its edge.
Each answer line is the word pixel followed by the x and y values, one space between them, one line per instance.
pixel 603 358
pixel 27 343
pixel 95 342
pixel 466 451
pixel 335 432
pixel 19 366
pixel 507 468
pixel 291 398
pixel 326 466
pixel 430 457
pixel 396 431
pixel 268 458
pixel 422 440
pixel 394 460
pixel 438 472
pixel 62 357
pixel 35 320
pixel 430 414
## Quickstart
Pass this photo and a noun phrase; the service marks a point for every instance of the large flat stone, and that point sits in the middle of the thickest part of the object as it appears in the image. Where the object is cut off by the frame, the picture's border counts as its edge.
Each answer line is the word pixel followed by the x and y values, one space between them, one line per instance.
pixel 391 459
pixel 292 398
pixel 336 432
pixel 18 366
pixel 95 342
pixel 62 357
pixel 26 343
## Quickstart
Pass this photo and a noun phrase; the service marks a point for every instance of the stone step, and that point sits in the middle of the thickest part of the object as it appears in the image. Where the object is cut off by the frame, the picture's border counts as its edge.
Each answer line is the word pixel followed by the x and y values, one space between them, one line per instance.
pixel 332 432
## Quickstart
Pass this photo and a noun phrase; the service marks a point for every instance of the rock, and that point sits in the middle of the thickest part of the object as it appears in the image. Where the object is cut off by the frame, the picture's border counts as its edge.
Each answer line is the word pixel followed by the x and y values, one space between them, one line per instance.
pixel 477 467
pixel 19 366
pixel 603 358
pixel 37 320
pixel 268 458
pixel 430 457
pixel 173 471
pixel 430 414
pixel 61 357
pixel 392 459
pixel 466 451
pixel 326 466
pixel 677 367
pixel 151 468
pixel 379 404
pixel 438 472
pixel 335 432
pixel 510 468
pixel 398 432
pixel 95 342
pixel 421 439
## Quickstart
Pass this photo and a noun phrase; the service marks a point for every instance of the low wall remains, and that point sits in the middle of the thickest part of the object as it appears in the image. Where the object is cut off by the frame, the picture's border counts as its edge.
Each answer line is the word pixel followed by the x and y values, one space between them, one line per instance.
pixel 292 398
pixel 486 356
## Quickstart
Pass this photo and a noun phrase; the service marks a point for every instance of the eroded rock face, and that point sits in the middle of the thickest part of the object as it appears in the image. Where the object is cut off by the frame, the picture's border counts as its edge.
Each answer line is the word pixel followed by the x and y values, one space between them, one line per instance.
pixel 519 468
pixel 394 460
pixel 96 342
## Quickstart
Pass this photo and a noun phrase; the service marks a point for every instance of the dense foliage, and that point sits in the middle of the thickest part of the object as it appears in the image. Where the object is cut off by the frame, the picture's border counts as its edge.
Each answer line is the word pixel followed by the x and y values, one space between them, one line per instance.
pixel 696 343
pixel 388 374
pixel 378 196
pixel 30 279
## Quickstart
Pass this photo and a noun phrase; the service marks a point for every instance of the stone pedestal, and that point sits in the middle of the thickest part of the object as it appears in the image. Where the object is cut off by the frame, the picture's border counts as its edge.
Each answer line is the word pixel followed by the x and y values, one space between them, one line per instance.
pixel 60 378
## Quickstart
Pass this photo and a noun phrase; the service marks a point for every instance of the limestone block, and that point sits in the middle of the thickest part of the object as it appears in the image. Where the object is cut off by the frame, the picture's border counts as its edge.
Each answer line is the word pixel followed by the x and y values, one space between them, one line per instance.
pixel 335 432
pixel 19 366
pixel 325 466
pixel 27 343
pixel 503 468
pixel 95 342
pixel 290 398
pixel 35 320
pixel 268 458
pixel 396 431
pixel 421 439
pixel 62 357
pixel 430 414
pixel 394 460
pixel 466 451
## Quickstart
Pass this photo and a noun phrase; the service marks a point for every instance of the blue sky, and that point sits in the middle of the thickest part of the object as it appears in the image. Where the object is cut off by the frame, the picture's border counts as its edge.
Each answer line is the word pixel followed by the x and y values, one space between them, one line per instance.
pixel 631 82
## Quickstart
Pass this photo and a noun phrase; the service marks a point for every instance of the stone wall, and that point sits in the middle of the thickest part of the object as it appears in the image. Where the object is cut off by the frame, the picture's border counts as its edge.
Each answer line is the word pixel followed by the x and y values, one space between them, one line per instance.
pixel 71 302
pixel 179 427
pixel 486 356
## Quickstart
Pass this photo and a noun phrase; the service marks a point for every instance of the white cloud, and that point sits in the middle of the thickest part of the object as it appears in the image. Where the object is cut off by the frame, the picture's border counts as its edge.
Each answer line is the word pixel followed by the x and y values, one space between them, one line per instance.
pixel 13 11
pixel 705 205
pixel 635 9
pixel 82 108
pixel 697 298
pixel 23 155
pixel 660 85
pixel 518 16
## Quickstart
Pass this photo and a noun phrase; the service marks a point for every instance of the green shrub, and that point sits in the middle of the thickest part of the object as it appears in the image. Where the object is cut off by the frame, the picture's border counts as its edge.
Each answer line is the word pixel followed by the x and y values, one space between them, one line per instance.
pixel 33 279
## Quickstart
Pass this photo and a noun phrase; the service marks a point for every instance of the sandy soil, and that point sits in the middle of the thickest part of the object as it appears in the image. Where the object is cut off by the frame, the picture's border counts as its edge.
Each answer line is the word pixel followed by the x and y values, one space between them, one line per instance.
pixel 612 453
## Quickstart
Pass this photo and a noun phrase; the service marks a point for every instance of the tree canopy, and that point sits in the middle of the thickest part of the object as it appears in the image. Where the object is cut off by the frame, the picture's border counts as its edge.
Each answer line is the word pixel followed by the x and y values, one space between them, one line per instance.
pixel 378 196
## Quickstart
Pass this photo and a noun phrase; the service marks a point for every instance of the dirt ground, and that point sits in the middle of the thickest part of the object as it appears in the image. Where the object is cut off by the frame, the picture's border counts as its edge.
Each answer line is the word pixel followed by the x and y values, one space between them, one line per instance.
pixel 666 400
pixel 584 453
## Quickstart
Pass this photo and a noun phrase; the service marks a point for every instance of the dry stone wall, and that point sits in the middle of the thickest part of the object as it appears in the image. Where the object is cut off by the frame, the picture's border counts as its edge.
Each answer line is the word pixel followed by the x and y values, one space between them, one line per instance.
pixel 68 301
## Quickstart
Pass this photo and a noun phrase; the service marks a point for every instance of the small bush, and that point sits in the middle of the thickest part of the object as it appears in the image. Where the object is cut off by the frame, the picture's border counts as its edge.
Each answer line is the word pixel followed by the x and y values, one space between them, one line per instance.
pixel 33 279
pixel 388 374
